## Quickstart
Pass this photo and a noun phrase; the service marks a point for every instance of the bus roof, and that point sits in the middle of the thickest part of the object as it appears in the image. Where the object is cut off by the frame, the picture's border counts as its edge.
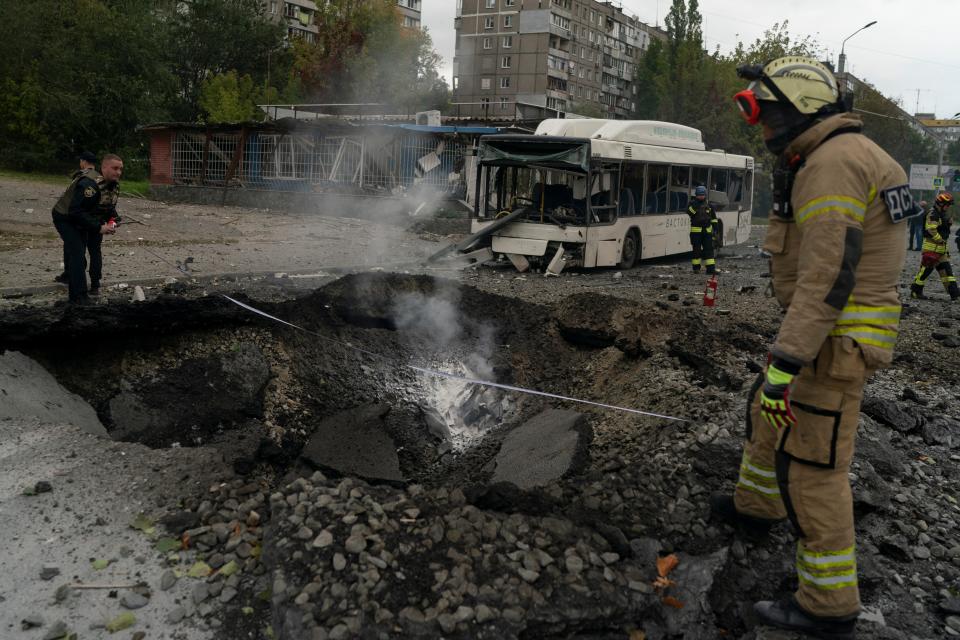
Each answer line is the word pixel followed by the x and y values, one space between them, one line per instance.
pixel 650 132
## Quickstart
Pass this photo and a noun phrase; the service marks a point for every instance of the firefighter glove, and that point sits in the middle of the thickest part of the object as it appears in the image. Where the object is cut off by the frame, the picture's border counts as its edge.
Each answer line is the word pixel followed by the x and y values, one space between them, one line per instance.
pixel 775 397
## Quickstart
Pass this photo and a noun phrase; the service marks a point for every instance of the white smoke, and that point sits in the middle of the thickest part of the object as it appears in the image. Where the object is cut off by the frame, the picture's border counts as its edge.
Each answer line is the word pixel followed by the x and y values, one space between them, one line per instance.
pixel 468 409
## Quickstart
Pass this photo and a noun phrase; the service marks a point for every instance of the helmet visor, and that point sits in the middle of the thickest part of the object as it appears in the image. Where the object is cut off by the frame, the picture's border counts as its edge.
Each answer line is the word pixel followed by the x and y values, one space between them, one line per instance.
pixel 749 107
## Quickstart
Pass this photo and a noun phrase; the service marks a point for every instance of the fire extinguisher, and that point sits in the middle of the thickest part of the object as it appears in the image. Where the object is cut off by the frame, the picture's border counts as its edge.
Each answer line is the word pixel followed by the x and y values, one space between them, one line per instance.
pixel 710 293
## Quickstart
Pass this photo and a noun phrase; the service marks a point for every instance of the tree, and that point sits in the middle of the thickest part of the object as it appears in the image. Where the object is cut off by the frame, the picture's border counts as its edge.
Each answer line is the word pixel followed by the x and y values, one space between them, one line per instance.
pixel 210 37
pixel 363 54
pixel 886 124
pixel 77 74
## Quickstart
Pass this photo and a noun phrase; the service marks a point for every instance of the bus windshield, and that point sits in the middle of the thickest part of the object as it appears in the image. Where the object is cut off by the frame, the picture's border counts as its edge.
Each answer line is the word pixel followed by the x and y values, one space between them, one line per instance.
pixel 548 195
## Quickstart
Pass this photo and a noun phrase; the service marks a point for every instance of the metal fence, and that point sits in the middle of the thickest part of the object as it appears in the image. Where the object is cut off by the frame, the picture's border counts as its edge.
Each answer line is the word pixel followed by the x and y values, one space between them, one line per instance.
pixel 378 161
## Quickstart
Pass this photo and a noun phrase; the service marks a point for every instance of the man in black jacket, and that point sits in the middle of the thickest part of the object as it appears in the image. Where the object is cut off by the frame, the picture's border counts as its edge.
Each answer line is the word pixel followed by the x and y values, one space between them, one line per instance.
pixel 75 216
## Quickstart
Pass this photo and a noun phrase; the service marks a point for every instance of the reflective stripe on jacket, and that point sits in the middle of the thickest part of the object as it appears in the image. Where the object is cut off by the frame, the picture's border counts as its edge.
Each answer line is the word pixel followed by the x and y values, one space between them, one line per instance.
pixel 702 218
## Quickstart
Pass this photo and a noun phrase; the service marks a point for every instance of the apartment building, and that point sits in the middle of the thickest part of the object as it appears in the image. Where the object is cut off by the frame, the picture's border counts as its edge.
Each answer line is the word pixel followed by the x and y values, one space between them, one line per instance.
pixel 946 128
pixel 410 12
pixel 299 16
pixel 529 59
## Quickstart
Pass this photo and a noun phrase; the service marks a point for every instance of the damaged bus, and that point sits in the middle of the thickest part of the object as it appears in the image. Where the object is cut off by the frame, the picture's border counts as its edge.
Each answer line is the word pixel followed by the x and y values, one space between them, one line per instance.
pixel 602 193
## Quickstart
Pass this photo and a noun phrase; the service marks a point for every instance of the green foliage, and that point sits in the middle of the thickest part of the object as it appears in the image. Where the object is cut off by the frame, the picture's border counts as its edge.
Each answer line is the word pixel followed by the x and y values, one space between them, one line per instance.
pixel 680 82
pixel 364 55
pixel 210 37
pixel 588 110
pixel 77 74
pixel 884 124
pixel 83 74
pixel 225 97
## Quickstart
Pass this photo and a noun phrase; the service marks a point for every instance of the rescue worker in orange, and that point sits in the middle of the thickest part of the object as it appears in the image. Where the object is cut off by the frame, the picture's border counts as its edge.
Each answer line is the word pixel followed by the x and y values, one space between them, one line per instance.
pixel 838 241
pixel 703 220
pixel 936 255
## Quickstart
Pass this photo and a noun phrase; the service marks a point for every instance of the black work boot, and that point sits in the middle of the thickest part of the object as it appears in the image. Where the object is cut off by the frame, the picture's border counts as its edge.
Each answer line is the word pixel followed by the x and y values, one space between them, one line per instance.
pixel 61 279
pixel 787 614
pixel 723 509
pixel 916 292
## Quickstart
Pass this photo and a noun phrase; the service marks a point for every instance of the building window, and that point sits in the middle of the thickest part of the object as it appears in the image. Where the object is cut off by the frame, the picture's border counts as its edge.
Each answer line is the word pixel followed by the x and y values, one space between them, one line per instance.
pixel 456 82
pixel 509 3
pixel 507 22
pixel 485 83
pixel 488 43
pixel 485 104
pixel 560 21
pixel 503 101
pixel 505 82
pixel 488 22
pixel 491 4
pixel 273 6
pixel 505 62
pixel 507 42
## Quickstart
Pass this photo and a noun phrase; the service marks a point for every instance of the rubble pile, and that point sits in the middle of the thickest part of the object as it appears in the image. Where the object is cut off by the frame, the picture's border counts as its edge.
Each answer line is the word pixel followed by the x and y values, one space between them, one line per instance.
pixel 357 560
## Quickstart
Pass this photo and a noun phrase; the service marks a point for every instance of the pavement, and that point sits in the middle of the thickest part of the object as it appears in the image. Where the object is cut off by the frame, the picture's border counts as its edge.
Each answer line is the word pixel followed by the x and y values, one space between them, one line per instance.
pixel 63 532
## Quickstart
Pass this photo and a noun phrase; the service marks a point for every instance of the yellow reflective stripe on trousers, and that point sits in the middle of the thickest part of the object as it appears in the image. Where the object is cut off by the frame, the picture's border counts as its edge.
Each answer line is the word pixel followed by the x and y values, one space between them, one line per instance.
pixel 812 568
pixel 873 336
pixel 696 229
pixel 759 479
pixel 850 207
pixel 829 582
pixel 861 314
pixel 826 559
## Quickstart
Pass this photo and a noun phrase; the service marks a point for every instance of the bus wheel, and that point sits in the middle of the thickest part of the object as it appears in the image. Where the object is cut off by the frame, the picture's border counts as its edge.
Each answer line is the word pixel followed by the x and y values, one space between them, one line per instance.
pixel 631 250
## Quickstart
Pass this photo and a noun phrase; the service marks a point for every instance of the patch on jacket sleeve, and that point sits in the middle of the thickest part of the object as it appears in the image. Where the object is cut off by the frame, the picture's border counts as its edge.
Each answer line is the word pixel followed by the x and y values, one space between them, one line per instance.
pixel 899 202
pixel 89 192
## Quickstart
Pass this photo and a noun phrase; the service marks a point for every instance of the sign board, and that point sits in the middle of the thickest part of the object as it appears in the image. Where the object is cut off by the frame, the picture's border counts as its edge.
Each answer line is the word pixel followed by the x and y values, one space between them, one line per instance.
pixel 924 177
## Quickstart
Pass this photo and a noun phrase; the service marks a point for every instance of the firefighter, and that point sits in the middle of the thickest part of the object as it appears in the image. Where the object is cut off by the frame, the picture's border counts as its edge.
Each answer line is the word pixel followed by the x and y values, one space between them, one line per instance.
pixel 703 220
pixel 936 255
pixel 837 248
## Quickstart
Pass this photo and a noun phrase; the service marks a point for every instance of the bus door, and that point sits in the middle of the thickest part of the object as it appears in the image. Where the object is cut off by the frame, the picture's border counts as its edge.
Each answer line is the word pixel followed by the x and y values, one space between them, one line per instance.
pixel 604 238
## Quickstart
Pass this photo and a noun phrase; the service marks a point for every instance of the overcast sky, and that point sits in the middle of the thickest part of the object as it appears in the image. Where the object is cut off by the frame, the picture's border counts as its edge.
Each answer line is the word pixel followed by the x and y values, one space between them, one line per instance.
pixel 909 48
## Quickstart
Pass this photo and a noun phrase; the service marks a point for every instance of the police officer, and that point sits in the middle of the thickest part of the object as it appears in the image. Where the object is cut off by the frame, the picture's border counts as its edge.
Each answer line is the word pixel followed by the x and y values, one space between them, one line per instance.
pixel 837 250
pixel 76 219
pixel 703 220
pixel 88 164
pixel 936 255
pixel 111 169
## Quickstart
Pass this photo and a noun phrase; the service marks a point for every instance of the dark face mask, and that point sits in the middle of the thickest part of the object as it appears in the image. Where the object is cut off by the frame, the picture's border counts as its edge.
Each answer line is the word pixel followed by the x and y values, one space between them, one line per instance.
pixel 786 122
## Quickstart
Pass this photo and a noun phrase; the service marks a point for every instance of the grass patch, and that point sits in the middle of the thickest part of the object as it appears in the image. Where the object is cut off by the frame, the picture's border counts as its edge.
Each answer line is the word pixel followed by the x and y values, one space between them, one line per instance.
pixel 45 178
pixel 127 187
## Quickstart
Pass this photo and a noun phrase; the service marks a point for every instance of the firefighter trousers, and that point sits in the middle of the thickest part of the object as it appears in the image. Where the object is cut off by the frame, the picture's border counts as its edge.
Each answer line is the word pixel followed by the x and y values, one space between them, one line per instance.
pixel 801 473
pixel 941 263
pixel 702 245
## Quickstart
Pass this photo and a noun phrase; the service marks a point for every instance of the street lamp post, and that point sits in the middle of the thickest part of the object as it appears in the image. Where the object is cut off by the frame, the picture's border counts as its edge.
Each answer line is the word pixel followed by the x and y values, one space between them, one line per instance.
pixel 843 56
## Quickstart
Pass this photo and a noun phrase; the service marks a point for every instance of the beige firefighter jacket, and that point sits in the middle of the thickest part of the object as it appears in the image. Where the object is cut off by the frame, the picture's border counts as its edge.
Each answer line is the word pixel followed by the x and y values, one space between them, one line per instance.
pixel 837 255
